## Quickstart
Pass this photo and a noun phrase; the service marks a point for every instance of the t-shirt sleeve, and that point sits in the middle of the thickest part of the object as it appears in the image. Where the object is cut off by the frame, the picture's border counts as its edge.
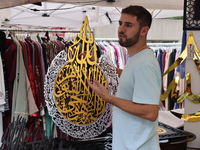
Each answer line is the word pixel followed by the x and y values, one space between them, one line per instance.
pixel 147 87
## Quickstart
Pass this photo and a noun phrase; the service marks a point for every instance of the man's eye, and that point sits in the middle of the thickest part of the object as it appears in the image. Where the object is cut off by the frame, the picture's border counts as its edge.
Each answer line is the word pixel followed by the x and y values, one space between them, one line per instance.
pixel 128 25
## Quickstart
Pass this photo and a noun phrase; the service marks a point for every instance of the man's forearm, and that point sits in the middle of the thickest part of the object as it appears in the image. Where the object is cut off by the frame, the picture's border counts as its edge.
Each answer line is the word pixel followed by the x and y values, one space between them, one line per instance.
pixel 145 111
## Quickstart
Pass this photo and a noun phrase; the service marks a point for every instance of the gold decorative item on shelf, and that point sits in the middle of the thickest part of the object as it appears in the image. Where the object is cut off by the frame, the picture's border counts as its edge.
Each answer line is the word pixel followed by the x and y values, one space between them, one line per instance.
pixel 76 101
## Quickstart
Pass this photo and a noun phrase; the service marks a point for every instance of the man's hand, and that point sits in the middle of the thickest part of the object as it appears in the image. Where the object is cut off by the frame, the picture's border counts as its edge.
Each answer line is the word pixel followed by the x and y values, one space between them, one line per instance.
pixel 98 88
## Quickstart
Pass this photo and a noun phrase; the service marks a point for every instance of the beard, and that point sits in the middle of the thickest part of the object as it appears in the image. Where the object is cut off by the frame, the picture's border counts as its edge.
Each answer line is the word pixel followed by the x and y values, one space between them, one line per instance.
pixel 129 41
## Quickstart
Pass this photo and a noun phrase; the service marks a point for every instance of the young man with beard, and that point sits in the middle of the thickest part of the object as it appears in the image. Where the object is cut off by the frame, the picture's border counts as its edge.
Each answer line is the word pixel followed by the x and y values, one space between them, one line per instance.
pixel 136 103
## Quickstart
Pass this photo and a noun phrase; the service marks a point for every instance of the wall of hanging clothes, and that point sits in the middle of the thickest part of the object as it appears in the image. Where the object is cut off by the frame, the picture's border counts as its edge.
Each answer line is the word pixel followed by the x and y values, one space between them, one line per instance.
pixel 167 54
pixel 23 65
pixel 117 54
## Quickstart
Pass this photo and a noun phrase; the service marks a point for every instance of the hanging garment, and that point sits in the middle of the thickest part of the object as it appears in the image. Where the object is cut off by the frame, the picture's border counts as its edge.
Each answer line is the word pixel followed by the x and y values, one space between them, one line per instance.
pixel 32 54
pixel 57 48
pixel 162 71
pixel 31 79
pixel 32 108
pixel 120 56
pixel 37 76
pixel 20 103
pixel 62 45
pixel 104 51
pixel 9 58
pixel 99 51
pixel 125 54
pixel 171 77
pixel 181 67
pixel 116 55
pixel 42 70
pixel 25 55
pixel 168 52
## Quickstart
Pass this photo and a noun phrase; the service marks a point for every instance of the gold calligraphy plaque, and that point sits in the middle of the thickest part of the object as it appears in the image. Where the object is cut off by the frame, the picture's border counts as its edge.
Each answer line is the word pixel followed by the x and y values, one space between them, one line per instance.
pixel 76 101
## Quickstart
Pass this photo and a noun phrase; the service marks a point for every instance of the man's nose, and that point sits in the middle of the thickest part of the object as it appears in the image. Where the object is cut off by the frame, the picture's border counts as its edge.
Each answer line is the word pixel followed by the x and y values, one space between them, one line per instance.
pixel 121 29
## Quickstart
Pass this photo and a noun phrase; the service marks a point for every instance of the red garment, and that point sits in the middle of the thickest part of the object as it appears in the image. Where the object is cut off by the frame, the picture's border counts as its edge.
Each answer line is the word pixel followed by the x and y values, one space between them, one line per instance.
pixel 37 76
pixel 31 78
pixel 35 121
pixel 34 118
pixel 10 57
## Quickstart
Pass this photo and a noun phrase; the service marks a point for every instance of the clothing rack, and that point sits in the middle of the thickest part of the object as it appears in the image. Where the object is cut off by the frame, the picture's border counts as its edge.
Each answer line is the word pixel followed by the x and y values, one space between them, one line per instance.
pixel 39 30
pixel 106 39
pixel 164 44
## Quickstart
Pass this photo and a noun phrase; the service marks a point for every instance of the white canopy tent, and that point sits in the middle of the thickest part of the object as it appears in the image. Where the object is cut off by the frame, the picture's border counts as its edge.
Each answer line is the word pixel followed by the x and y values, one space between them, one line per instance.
pixel 70 13
pixel 153 4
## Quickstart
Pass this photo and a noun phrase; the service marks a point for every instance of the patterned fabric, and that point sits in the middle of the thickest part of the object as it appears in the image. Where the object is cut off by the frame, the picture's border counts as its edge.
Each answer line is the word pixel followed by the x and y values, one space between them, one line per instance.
pixel 31 78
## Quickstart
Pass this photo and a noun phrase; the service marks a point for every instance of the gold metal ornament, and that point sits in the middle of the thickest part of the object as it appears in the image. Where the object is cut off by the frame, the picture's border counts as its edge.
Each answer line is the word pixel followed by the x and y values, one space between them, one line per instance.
pixel 76 101
pixel 172 86
pixel 188 92
pixel 187 117
pixel 191 117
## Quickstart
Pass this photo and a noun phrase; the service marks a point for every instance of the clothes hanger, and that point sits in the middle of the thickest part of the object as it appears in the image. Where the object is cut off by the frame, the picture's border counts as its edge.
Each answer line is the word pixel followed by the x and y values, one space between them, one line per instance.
pixel 38 38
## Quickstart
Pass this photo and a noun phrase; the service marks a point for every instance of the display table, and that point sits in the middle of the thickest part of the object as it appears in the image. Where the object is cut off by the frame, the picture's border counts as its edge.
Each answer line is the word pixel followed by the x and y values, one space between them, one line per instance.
pixel 170 138
pixel 173 139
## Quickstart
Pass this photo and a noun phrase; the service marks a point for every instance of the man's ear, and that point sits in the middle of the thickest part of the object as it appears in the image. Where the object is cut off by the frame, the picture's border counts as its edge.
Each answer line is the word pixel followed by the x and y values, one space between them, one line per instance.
pixel 144 30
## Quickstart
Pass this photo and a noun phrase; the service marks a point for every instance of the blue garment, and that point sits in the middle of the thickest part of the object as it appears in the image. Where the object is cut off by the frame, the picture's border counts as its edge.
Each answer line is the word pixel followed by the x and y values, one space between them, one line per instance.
pixel 170 77
pixel 181 67
pixel 159 58
pixel 139 82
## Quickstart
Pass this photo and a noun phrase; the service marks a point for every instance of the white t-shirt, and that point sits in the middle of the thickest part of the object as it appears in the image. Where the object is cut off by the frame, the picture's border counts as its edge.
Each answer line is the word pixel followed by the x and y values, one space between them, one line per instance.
pixel 139 82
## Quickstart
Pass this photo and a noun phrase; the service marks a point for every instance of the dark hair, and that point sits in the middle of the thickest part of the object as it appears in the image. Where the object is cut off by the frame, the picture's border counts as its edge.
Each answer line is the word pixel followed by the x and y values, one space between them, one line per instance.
pixel 143 16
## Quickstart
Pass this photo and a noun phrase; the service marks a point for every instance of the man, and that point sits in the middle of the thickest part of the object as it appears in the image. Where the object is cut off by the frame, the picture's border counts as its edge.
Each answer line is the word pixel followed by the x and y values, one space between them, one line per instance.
pixel 136 103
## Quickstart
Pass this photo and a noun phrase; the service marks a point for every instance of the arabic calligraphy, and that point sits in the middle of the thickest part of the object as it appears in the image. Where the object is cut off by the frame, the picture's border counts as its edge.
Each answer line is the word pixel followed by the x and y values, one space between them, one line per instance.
pixel 76 101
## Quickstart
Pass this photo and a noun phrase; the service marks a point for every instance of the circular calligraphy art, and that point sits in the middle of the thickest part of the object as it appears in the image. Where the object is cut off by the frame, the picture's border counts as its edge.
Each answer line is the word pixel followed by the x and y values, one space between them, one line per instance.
pixel 161 130
pixel 77 130
pixel 74 107
pixel 76 101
